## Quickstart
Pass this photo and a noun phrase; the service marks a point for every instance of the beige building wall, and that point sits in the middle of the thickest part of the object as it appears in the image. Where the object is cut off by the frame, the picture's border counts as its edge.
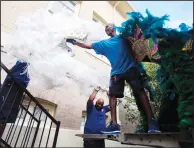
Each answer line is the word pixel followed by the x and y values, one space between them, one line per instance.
pixel 70 101
pixel 103 8
pixel 10 10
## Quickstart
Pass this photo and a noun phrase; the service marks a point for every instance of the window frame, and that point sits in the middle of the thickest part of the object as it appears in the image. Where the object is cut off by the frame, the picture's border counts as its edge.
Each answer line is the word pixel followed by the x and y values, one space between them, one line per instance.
pixel 64 4
pixel 68 7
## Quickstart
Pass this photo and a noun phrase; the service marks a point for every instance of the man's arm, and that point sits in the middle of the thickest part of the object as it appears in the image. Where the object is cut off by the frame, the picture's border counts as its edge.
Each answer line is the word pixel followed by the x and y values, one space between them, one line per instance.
pixel 107 108
pixel 92 97
pixel 74 42
pixel 83 45
pixel 98 47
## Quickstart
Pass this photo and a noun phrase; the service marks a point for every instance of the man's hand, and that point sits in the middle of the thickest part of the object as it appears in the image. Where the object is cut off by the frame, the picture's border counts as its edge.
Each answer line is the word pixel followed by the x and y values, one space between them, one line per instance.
pixel 72 41
pixel 93 95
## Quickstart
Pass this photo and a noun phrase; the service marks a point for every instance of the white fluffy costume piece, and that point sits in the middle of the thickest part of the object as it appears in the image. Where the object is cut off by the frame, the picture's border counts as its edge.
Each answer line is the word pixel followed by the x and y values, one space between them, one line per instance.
pixel 40 40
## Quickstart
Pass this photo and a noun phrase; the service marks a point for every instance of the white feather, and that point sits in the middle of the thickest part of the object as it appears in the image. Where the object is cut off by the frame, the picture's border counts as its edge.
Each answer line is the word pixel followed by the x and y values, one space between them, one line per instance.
pixel 40 41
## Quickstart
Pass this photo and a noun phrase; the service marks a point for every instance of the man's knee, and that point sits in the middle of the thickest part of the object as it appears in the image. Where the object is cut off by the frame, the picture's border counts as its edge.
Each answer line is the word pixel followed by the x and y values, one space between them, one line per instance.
pixel 111 96
pixel 115 93
pixel 136 86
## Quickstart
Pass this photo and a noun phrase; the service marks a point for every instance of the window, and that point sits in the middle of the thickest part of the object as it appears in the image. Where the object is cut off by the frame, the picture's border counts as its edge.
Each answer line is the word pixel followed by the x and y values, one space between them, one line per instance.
pixel 33 109
pixel 98 18
pixel 83 120
pixel 57 6
pixel 22 112
pixel 84 117
pixel 69 5
pixel 37 114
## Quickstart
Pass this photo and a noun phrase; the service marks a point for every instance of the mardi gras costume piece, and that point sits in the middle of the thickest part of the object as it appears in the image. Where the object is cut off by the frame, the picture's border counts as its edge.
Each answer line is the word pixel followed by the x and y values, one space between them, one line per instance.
pixel 173 54
pixel 47 57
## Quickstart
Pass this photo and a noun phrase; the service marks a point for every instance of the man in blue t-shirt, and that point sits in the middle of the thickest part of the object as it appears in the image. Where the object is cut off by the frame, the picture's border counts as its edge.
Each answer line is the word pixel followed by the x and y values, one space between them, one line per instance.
pixel 96 120
pixel 118 51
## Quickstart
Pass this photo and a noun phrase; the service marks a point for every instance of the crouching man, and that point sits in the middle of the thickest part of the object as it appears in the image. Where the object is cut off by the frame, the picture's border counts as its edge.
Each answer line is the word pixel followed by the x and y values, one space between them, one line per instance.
pixel 96 120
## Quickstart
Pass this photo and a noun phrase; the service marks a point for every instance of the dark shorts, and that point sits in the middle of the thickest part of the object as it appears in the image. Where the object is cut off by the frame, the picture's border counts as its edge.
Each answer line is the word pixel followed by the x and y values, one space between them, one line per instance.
pixel 94 143
pixel 117 82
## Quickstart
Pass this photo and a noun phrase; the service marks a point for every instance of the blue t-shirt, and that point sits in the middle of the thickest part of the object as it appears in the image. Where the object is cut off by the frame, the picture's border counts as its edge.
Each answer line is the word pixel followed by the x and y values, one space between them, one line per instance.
pixel 17 71
pixel 96 120
pixel 118 52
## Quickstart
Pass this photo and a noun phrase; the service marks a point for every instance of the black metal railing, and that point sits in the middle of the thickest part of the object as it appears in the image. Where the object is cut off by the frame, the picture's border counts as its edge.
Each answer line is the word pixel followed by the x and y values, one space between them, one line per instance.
pixel 24 122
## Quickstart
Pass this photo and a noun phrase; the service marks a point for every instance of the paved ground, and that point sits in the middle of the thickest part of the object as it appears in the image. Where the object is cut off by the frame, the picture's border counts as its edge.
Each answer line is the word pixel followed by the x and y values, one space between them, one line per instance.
pixel 109 143
pixel 67 138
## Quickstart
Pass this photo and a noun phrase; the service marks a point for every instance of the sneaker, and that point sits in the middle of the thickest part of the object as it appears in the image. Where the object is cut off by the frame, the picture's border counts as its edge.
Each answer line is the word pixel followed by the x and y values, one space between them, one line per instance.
pixel 153 126
pixel 112 129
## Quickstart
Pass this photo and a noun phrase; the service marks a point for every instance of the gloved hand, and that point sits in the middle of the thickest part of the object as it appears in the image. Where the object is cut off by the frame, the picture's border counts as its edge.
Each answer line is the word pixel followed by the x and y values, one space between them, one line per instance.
pixel 72 41
pixel 97 88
